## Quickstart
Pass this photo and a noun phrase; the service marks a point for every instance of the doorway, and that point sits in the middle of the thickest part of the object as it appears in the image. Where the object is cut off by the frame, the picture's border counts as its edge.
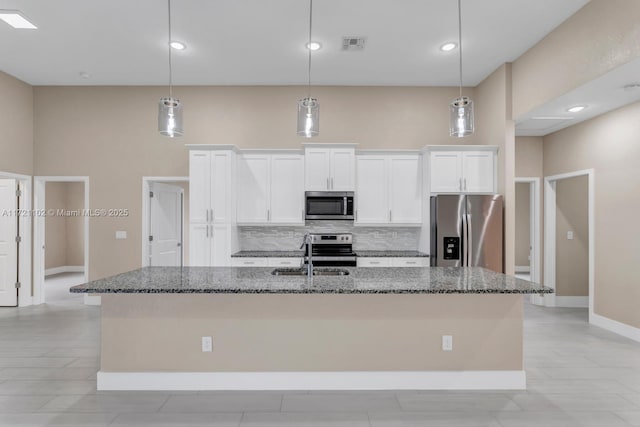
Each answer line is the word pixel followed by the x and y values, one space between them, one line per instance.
pixel 15 240
pixel 164 232
pixel 569 244
pixel 61 237
pixel 527 257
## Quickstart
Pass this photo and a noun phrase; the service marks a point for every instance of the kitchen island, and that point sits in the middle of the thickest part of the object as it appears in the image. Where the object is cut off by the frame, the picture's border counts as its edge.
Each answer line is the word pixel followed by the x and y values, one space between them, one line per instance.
pixel 373 328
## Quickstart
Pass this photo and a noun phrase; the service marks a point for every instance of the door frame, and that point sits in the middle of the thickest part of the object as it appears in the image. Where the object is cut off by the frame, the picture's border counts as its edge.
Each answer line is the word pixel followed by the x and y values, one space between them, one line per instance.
pixel 39 233
pixel 146 211
pixel 25 292
pixel 534 226
pixel 550 233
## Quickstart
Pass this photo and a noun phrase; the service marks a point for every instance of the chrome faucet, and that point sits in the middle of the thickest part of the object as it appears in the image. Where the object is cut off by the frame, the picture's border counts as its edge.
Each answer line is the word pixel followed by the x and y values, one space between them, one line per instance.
pixel 308 241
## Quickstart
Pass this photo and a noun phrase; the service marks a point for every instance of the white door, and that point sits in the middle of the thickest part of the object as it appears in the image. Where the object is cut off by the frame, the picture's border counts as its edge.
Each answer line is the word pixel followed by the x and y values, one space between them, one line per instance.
pixel 8 245
pixel 166 225
pixel 405 190
pixel 199 186
pixel 316 169
pixel 253 189
pixel 342 169
pixel 200 245
pixel 220 246
pixel 478 172
pixel 446 175
pixel 372 205
pixel 287 189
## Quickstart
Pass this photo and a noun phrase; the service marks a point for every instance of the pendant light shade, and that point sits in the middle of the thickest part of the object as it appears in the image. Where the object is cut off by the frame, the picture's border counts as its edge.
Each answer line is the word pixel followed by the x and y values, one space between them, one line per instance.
pixel 309 108
pixel 170 117
pixel 170 109
pixel 461 109
pixel 308 117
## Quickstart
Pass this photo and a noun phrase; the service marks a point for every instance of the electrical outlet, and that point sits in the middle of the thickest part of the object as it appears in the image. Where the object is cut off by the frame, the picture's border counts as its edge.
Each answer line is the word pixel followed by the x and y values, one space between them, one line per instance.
pixel 376 235
pixel 447 343
pixel 207 344
pixel 395 234
pixel 569 235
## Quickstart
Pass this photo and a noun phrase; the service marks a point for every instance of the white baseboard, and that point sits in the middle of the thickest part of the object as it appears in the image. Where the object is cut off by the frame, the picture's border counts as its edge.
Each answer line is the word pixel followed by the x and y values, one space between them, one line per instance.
pixel 64 269
pixel 615 326
pixel 522 269
pixel 581 302
pixel 92 299
pixel 390 380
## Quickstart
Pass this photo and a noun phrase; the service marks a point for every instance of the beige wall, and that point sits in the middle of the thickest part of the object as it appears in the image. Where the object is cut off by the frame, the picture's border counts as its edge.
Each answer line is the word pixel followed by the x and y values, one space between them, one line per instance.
pixel 598 38
pixel 109 134
pixel 523 238
pixel 16 122
pixel 609 145
pixel 259 332
pixel 495 127
pixel 572 256
pixel 64 234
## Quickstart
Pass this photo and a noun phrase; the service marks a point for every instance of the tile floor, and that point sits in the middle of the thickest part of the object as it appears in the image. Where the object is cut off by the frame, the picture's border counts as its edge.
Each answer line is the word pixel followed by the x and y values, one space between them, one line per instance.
pixel 578 375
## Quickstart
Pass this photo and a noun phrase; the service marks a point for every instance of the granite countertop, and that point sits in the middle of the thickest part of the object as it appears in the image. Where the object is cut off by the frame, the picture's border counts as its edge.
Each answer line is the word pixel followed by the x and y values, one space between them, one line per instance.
pixel 392 254
pixel 268 254
pixel 250 280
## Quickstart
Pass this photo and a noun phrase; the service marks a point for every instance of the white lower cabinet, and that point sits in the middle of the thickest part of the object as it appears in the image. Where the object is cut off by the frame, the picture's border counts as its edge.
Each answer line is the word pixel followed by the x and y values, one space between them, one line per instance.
pixel 209 245
pixel 393 262
pixel 265 262
pixel 248 262
pixel 284 262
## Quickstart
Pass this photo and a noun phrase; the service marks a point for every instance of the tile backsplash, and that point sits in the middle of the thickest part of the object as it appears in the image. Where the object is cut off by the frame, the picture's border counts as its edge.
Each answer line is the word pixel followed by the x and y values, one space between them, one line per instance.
pixel 286 238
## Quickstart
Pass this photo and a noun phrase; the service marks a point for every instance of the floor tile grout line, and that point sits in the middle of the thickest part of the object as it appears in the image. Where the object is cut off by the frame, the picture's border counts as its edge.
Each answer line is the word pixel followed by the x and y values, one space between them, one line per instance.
pixel 159 410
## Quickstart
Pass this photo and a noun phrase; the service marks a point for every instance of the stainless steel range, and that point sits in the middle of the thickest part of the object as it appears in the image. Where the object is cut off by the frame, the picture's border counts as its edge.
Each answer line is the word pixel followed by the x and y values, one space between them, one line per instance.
pixel 331 250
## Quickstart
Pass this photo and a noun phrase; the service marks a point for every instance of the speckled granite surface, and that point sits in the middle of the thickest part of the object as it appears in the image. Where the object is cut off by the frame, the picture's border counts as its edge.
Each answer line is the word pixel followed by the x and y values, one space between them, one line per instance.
pixel 439 280
pixel 391 254
pixel 268 254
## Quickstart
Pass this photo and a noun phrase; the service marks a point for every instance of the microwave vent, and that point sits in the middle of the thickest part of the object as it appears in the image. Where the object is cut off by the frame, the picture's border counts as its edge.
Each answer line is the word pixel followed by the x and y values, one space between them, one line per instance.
pixel 353 42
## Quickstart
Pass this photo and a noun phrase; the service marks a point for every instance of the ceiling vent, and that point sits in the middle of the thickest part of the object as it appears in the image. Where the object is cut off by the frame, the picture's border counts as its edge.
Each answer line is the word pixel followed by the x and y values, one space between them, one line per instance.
pixel 353 43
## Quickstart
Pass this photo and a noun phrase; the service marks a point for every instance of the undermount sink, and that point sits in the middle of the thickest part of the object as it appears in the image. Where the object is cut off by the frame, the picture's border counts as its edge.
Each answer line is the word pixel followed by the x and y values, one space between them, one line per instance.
pixel 319 272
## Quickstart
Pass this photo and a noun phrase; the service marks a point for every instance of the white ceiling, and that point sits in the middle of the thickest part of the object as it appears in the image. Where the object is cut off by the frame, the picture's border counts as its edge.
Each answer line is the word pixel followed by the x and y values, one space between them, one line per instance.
pixel 249 42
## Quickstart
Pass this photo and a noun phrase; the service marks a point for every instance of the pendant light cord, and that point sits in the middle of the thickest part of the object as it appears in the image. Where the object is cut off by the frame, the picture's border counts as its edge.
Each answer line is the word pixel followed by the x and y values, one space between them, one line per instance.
pixel 309 48
pixel 169 44
pixel 460 42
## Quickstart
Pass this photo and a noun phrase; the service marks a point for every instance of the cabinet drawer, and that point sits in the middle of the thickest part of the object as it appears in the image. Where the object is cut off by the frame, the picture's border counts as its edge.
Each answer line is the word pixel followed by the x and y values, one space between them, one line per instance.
pixel 374 262
pixel 284 262
pixel 411 262
pixel 249 262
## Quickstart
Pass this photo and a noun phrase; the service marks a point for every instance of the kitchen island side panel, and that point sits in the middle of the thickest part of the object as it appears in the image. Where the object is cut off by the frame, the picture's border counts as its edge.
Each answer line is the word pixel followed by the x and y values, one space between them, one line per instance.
pixel 301 332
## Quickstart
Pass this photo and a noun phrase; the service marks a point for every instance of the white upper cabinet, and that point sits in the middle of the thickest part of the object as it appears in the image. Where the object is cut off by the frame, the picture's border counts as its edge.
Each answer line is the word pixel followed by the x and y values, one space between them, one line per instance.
pixel 389 189
pixel 329 169
pixel 270 189
pixel 463 171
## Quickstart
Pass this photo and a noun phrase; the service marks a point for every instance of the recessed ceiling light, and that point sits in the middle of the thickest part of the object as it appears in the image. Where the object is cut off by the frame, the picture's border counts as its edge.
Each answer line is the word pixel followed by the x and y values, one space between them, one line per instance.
pixel 576 109
pixel 313 46
pixel 178 45
pixel 16 19
pixel 447 47
pixel 84 74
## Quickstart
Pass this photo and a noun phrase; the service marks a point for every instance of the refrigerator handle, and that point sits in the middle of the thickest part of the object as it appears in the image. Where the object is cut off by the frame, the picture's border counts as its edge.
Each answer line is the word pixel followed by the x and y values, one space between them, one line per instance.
pixel 464 241
pixel 469 241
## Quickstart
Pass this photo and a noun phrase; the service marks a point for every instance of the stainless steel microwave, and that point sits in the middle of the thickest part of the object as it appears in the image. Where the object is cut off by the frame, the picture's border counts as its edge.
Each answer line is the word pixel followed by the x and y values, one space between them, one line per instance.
pixel 333 205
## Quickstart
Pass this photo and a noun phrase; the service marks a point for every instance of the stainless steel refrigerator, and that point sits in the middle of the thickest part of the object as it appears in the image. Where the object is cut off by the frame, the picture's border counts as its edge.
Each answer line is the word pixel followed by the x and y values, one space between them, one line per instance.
pixel 466 231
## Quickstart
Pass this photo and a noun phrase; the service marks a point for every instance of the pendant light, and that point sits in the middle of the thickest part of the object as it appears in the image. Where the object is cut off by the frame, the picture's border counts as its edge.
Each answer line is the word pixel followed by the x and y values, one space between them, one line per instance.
pixel 461 109
pixel 309 108
pixel 170 109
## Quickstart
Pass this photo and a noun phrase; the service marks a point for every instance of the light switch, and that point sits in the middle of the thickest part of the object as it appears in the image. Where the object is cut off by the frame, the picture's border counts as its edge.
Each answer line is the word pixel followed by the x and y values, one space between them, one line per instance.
pixel 121 235
pixel 569 235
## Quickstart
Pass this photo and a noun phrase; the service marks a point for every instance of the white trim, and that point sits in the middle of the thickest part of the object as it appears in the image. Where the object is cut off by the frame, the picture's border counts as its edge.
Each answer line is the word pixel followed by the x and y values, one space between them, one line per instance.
pixel 64 269
pixel 25 183
pixel 349 380
pixel 550 235
pixel 146 209
pixel 534 183
pixel 493 148
pixel 574 302
pixel 209 147
pixel 38 231
pixel 615 327
pixel 306 145
pixel 522 269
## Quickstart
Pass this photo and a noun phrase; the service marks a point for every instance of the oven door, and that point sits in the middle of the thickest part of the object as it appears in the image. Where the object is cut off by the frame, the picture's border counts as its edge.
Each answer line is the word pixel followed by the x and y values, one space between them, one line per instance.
pixel 334 206
pixel 333 255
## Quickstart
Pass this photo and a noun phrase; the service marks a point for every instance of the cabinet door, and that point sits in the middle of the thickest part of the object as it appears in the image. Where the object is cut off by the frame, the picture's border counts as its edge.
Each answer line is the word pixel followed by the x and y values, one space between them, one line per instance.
pixel 287 189
pixel 373 262
pixel 445 172
pixel 478 172
pixel 316 169
pixel 372 205
pixel 253 189
pixel 220 186
pixel 248 262
pixel 220 246
pixel 405 190
pixel 199 186
pixel 200 245
pixel 342 170
pixel 410 262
